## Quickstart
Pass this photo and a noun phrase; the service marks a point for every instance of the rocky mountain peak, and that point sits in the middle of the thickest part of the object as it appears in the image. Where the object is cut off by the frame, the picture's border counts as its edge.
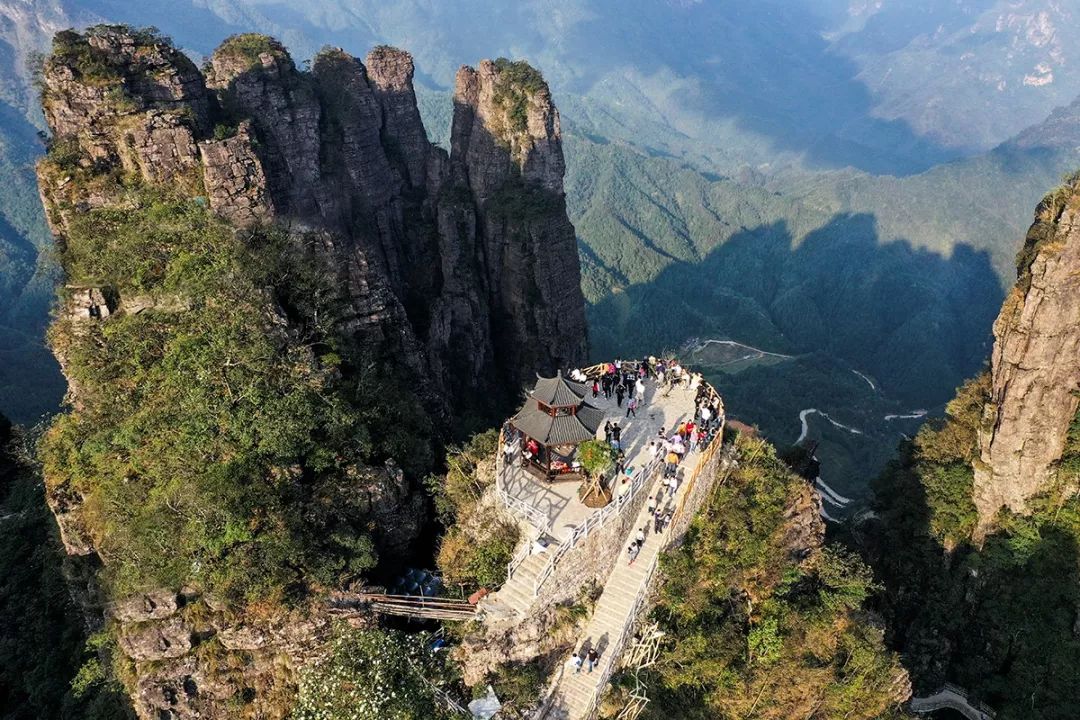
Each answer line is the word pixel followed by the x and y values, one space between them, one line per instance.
pixel 505 126
pixel 390 69
pixel 246 53
pixel 1035 365
pixel 463 288
pixel 91 80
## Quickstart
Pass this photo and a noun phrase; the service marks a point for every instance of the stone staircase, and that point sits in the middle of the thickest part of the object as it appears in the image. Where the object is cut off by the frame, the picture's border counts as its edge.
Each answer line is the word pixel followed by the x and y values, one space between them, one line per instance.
pixel 517 594
pixel 575 695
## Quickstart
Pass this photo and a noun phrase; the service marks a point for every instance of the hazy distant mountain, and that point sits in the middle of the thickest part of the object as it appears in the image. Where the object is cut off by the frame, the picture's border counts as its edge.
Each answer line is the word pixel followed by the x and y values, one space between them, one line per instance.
pixel 966 73
pixel 887 86
pixel 819 177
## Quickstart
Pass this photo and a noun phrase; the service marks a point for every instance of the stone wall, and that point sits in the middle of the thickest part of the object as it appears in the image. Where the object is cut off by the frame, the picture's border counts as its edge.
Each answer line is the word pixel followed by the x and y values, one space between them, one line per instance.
pixel 593 559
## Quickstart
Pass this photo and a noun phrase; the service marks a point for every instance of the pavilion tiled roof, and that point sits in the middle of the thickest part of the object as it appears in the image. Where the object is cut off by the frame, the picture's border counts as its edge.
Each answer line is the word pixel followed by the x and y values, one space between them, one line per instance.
pixel 562 429
pixel 558 391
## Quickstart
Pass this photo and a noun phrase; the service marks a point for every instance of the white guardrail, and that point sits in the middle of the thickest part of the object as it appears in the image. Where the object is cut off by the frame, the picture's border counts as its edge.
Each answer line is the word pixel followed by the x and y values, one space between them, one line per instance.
pixel 596 520
pixel 624 636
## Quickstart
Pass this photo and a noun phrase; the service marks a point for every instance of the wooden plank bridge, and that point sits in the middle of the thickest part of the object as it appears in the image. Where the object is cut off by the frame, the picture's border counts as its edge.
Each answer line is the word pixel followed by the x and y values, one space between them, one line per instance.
pixel 414 606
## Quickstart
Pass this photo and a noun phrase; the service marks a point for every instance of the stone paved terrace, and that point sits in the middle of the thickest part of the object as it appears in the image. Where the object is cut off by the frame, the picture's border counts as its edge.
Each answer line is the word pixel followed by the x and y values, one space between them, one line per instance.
pixel 559 500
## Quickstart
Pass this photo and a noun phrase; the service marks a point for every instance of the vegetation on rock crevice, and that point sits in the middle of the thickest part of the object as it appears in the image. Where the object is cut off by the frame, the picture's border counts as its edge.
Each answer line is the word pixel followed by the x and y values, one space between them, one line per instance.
pixel 92 65
pixel 250 47
pixel 1045 227
pixel 516 84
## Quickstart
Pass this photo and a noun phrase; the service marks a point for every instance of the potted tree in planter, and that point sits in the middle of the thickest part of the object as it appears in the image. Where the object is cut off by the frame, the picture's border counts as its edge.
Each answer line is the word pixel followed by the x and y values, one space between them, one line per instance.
pixel 597 458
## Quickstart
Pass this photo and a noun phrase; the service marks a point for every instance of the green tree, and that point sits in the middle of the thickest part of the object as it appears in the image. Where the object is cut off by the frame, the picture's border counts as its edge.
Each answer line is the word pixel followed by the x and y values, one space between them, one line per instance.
pixel 373 675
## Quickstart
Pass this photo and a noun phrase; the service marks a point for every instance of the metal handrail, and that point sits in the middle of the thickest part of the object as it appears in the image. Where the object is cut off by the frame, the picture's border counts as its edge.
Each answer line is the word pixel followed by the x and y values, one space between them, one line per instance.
pixel 519 557
pixel 536 517
pixel 624 635
pixel 596 520
pixel 642 593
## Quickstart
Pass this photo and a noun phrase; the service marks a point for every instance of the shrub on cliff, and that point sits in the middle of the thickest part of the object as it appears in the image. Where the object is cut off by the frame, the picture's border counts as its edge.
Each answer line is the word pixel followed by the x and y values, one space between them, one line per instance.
pixel 479 542
pixel 518 81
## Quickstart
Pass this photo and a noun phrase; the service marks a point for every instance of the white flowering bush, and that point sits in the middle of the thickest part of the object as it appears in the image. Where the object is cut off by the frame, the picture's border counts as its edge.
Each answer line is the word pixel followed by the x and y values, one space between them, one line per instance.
pixel 373 675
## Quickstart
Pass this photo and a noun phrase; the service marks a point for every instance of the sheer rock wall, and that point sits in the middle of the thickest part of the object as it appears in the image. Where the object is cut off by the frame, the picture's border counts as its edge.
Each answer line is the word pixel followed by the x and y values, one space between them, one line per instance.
pixel 1035 365
pixel 463 266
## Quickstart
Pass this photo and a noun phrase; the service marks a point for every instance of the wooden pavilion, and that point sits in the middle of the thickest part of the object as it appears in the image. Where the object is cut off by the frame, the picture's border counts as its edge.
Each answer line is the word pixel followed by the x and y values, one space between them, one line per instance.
pixel 553 421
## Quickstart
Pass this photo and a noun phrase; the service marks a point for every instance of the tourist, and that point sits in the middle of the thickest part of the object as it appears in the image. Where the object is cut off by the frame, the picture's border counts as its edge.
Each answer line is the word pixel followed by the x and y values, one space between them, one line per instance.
pixel 575 660
pixel 532 449
pixel 640 537
pixel 631 407
pixel 624 486
pixel 620 463
pixel 652 504
pixel 652 449
pixel 639 389
pixel 592 658
pixel 658 522
pixel 632 552
pixel 616 435
pixel 704 413
pixel 595 388
pixel 620 393
pixel 678 447
pixel 672 461
pixel 607 432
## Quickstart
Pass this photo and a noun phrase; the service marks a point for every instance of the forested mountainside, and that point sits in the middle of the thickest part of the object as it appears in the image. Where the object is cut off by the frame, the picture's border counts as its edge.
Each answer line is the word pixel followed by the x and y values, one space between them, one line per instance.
pixel 978 521
pixel 681 147
pixel 276 291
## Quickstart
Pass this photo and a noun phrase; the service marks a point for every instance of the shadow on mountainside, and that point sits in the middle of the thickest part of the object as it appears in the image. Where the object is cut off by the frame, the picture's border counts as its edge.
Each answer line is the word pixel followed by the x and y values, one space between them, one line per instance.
pixel 915 320
pixel 999 621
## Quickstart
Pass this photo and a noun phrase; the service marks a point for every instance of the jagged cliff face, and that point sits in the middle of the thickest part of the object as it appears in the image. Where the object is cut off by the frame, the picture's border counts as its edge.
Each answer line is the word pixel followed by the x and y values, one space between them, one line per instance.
pixel 1035 365
pixel 465 264
pixel 458 268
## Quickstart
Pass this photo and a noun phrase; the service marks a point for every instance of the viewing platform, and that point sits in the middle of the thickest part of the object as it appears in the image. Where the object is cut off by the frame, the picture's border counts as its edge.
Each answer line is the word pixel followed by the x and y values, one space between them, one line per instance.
pixel 559 508
pixel 567 546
